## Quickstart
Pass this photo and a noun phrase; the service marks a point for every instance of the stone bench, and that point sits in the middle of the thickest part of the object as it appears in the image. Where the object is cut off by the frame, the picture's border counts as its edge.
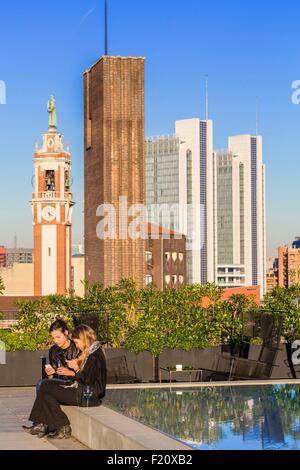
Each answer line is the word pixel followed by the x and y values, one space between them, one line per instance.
pixel 101 428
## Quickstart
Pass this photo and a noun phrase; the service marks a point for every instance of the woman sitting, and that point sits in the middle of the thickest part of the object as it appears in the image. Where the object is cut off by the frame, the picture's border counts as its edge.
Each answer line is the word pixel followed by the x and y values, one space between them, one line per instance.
pixel 63 350
pixel 89 369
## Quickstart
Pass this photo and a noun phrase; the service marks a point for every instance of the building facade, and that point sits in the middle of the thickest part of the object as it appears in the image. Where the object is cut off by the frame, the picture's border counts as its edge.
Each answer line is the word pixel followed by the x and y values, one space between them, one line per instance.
pixel 19 255
pixel 272 273
pixel 229 206
pixel 288 266
pixel 251 243
pixel 10 256
pixel 18 279
pixel 52 208
pixel 179 183
pixel 114 167
pixel 3 256
pixel 165 258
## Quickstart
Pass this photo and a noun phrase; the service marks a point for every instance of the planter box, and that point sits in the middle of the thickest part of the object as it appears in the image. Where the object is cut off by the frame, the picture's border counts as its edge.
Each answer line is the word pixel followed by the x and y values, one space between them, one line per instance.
pixel 22 368
pixel 136 365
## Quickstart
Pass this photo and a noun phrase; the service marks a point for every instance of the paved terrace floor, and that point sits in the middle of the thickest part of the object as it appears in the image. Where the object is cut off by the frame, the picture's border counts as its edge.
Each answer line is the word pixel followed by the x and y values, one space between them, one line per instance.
pixel 15 406
pixel 16 403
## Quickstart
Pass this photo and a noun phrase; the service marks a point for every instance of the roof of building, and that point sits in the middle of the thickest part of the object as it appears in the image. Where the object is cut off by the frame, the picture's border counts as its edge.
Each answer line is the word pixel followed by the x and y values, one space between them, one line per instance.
pixel 153 228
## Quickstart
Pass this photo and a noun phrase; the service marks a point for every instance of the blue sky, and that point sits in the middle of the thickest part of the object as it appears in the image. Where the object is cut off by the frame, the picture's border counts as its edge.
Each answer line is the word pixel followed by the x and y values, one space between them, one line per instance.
pixel 248 48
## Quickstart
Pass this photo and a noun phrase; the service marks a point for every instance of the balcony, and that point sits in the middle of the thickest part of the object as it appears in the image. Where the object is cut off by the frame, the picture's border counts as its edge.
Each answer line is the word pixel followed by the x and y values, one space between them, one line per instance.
pixel 50 195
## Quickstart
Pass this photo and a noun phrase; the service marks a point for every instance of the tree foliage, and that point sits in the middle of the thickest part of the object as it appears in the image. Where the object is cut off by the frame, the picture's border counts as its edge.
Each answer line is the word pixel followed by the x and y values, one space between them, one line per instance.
pixel 195 316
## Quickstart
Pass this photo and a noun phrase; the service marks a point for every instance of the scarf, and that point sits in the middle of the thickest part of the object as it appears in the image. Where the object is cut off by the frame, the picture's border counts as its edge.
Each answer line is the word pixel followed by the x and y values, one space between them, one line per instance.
pixel 94 347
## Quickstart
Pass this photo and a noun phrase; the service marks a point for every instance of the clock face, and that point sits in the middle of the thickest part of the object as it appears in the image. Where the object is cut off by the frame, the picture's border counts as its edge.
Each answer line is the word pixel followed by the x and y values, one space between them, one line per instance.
pixel 49 213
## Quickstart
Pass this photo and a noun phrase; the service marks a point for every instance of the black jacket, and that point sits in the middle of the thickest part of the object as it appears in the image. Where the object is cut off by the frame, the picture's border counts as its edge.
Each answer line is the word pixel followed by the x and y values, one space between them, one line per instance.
pixel 93 374
pixel 57 354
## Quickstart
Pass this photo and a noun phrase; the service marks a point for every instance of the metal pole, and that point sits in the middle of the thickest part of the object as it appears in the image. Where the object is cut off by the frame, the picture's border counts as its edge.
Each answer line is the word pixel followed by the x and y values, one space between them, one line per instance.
pixel 106 28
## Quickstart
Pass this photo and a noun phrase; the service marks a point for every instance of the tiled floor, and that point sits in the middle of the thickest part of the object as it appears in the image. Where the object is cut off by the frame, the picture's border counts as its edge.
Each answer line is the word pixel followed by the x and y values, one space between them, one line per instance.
pixel 15 406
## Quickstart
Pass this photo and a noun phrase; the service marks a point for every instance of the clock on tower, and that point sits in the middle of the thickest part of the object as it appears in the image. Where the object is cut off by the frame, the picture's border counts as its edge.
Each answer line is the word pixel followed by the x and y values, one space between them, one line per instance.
pixel 52 208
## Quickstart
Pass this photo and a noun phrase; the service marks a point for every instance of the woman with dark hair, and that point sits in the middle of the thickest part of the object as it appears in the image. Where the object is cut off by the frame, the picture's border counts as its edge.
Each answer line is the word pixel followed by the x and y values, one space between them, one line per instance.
pixel 90 371
pixel 63 350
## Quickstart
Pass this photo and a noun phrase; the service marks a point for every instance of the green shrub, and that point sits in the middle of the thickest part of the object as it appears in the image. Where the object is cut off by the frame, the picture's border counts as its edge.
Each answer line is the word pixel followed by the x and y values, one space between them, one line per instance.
pixel 194 316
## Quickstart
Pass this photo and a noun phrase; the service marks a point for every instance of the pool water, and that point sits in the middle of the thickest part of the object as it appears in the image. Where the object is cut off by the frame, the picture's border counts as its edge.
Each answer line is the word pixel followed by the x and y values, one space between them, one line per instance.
pixel 263 417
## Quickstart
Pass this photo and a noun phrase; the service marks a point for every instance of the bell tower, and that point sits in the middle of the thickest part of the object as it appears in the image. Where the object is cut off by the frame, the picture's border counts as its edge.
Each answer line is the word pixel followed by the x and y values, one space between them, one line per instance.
pixel 52 207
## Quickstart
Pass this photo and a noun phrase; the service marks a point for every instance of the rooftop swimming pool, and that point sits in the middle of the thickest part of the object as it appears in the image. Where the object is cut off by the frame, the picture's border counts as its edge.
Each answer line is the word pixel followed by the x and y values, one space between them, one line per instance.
pixel 248 417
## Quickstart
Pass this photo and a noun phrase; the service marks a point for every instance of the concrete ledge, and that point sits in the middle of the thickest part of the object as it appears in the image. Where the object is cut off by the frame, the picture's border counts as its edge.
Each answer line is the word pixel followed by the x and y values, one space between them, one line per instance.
pixel 101 428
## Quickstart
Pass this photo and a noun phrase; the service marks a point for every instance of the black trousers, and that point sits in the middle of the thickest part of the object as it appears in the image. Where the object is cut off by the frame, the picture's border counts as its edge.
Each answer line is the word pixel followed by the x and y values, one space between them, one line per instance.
pixel 46 408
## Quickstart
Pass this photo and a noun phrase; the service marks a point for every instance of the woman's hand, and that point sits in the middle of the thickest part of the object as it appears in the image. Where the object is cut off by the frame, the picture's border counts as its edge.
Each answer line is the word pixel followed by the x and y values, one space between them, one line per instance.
pixel 49 371
pixel 65 371
pixel 73 364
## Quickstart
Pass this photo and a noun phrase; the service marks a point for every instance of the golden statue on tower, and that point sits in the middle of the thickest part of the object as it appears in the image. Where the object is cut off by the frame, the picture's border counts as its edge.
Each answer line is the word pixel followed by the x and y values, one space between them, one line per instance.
pixel 52 111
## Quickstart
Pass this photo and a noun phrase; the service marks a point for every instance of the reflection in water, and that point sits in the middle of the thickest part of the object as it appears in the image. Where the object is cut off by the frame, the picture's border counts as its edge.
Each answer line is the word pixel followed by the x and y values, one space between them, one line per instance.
pixel 236 417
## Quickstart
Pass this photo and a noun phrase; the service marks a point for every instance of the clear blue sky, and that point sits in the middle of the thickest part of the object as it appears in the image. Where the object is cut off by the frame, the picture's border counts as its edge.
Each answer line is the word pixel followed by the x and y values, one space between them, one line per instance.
pixel 248 48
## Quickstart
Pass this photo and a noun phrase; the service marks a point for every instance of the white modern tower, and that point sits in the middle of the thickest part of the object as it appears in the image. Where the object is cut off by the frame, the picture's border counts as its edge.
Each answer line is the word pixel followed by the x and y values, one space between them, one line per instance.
pixel 196 150
pixel 229 204
pixel 179 178
pixel 247 152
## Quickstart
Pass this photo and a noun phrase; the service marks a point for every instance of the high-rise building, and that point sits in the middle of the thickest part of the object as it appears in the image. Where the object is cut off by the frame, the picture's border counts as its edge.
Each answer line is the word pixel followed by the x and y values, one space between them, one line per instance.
pixel 114 166
pixel 52 207
pixel 179 175
pixel 288 266
pixel 229 206
pixel 252 246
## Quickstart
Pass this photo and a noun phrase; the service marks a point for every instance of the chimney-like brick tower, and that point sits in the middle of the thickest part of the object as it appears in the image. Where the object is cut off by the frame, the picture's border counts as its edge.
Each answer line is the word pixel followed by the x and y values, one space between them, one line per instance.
pixel 114 164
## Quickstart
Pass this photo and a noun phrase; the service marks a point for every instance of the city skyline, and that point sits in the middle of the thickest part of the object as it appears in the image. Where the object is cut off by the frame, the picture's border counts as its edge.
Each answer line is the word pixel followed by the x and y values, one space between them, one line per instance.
pixel 174 89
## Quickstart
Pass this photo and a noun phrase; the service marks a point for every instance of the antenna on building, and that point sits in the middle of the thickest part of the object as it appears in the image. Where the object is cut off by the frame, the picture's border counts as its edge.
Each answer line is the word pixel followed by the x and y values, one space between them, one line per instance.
pixel 257 117
pixel 105 27
pixel 206 98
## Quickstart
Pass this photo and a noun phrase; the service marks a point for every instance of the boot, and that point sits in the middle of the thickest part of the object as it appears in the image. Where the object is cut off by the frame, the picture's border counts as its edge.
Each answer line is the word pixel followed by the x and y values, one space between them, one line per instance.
pixel 28 428
pixel 63 433
pixel 39 430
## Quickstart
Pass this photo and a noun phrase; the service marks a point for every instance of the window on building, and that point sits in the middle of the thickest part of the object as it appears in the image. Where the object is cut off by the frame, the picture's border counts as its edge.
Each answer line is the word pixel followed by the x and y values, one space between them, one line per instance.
pixel 180 257
pixel 148 256
pixel 174 256
pixel 167 279
pixel 174 278
pixel 181 279
pixel 149 279
pixel 67 181
pixel 50 180
pixel 167 256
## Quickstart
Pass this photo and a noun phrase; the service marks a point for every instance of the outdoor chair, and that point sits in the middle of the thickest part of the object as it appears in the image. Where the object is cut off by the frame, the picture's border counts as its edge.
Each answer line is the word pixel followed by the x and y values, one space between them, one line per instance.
pixel 261 369
pixel 118 371
pixel 229 366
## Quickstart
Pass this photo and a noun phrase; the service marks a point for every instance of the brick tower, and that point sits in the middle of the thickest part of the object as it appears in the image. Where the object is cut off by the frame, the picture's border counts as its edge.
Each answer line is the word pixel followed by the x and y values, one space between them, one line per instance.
pixel 52 207
pixel 114 164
